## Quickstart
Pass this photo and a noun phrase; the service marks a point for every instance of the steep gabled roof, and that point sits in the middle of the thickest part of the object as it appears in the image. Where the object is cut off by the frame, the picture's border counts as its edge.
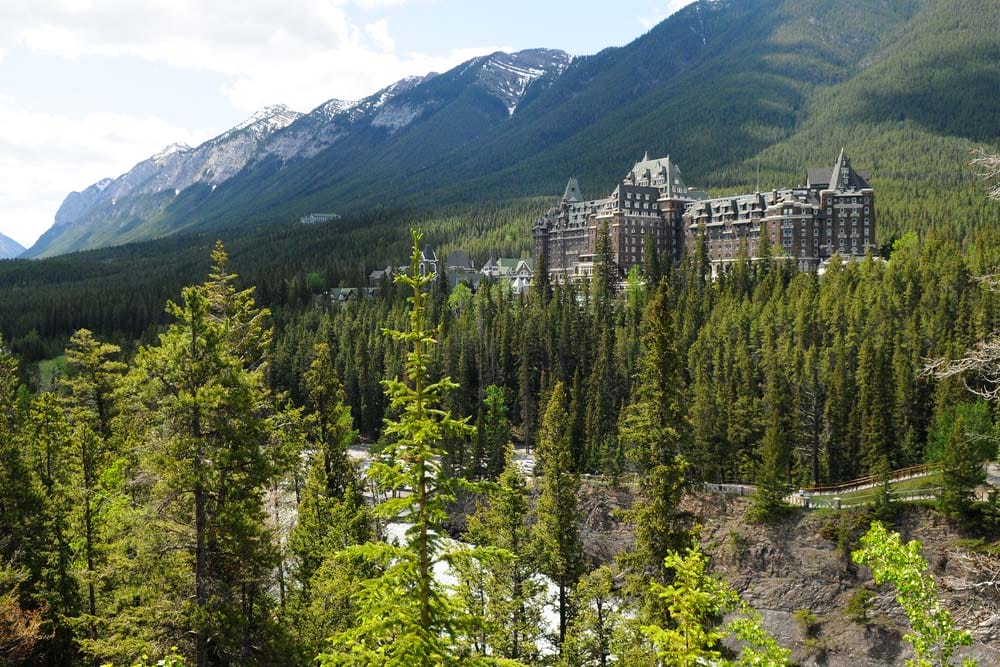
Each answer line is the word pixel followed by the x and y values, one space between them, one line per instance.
pixel 459 258
pixel 660 173
pixel 572 193
pixel 841 177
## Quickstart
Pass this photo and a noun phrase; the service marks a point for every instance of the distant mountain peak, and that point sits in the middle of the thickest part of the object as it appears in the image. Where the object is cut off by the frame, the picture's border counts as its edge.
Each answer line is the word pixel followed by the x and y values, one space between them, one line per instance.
pixel 380 98
pixel 331 108
pixel 9 247
pixel 272 118
pixel 508 75
pixel 172 149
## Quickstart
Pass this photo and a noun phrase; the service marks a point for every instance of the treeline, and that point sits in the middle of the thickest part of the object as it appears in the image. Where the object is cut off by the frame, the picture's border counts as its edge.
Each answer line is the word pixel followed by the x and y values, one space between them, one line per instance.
pixel 118 293
pixel 180 500
pixel 833 363
pixel 177 505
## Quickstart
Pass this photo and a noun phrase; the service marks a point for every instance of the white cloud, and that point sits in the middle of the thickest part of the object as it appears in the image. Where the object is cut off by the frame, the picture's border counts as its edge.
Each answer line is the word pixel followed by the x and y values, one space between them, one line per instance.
pixel 379 33
pixel 658 11
pixel 297 52
pixel 44 157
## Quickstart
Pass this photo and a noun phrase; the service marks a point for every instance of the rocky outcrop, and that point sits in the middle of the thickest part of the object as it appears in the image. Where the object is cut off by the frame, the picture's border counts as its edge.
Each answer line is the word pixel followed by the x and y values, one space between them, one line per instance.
pixel 802 564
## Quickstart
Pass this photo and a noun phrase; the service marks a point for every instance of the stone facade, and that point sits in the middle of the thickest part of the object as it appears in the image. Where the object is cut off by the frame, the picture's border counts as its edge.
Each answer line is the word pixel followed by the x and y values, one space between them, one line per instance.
pixel 834 213
pixel 647 205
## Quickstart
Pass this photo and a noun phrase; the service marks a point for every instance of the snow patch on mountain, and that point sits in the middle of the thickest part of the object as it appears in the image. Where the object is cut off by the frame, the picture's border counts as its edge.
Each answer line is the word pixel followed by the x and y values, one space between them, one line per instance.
pixel 266 121
pixel 370 105
pixel 507 76
pixel 172 149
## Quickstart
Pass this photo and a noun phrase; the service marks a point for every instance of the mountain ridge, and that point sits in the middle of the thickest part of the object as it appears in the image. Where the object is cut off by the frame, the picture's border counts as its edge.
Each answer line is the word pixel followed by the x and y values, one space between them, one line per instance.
pixel 88 218
pixel 9 248
pixel 741 94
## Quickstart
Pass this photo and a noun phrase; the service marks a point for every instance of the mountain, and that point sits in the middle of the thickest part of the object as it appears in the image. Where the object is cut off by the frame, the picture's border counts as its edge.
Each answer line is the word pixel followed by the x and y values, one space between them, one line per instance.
pixel 126 208
pixel 9 247
pixel 140 203
pixel 741 93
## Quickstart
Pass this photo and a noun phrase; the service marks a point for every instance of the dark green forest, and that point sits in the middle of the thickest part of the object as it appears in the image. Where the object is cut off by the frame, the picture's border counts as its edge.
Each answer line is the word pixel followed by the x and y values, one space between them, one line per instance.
pixel 194 496
pixel 182 420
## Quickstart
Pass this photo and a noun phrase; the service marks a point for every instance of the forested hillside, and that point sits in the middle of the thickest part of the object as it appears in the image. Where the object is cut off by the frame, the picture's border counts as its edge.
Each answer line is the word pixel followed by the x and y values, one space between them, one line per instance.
pixel 740 94
pixel 197 497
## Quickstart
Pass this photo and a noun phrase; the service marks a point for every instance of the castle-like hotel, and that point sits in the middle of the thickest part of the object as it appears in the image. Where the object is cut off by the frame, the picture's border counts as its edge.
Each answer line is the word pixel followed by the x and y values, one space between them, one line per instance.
pixel 833 213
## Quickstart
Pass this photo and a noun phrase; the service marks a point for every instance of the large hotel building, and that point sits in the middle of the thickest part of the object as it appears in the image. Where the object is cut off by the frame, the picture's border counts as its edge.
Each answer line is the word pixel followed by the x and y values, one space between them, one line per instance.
pixel 833 213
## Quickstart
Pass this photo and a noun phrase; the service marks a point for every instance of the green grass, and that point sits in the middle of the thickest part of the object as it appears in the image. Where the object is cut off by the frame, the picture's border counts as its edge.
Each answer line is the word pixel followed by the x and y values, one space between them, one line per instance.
pixel 50 369
pixel 909 485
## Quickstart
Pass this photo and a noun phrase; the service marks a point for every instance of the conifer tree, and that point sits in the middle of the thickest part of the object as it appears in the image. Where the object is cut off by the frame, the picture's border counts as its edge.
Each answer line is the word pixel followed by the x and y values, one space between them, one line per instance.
pixel 331 510
pixel 875 406
pixel 333 426
pixel 492 435
pixel 48 438
pixel 772 481
pixel 961 471
pixel 203 388
pixel 653 433
pixel 556 529
pixel 601 451
pixel 25 546
pixel 588 638
pixel 404 616
pixel 515 597
pixel 651 263
pixel 94 375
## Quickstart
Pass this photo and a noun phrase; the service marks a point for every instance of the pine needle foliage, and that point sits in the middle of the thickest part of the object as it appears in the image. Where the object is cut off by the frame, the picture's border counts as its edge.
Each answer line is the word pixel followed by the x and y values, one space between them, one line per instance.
pixel 405 616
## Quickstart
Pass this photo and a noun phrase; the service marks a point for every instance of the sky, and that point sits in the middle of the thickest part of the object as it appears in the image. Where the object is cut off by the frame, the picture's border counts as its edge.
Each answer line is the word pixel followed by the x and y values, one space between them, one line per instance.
pixel 88 88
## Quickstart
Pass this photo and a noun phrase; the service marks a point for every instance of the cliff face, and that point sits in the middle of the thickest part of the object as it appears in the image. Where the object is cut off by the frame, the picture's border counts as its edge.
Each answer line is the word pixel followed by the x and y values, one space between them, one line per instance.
pixel 803 563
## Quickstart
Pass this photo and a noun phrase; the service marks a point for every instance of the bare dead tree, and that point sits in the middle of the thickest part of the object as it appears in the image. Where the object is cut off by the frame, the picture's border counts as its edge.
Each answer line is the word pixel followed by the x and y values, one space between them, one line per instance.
pixel 982 361
pixel 987 167
pixel 978 573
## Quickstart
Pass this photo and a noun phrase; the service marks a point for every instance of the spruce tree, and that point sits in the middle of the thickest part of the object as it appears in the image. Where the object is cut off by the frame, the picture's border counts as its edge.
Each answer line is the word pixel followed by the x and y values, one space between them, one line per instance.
pixel 331 510
pixel 653 433
pixel 202 389
pixel 651 263
pixel 556 531
pixel 599 618
pixel 514 595
pixel 94 375
pixel 404 615
pixel 961 472
pixel 492 435
pixel 772 480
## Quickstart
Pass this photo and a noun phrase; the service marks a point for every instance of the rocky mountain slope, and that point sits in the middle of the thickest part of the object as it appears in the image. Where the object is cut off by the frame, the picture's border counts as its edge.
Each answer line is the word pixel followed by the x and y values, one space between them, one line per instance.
pixel 109 211
pixel 740 93
pixel 802 564
pixel 9 247
pixel 132 206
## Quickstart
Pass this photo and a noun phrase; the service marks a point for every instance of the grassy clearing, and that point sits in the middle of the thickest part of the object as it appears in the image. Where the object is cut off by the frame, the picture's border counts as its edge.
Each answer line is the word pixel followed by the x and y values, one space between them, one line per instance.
pixel 49 370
